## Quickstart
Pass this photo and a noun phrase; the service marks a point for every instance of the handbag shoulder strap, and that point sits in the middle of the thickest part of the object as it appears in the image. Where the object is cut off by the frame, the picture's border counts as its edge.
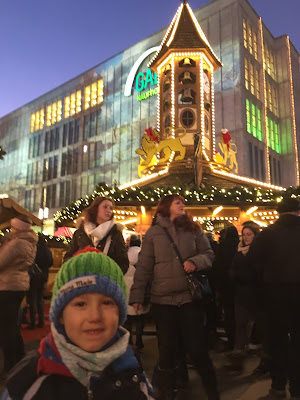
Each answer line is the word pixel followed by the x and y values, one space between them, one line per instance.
pixel 173 244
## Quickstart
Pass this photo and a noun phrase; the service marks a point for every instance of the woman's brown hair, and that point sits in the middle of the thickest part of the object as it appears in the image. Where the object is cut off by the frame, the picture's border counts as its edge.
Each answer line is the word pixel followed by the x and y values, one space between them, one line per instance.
pixel 90 213
pixel 185 221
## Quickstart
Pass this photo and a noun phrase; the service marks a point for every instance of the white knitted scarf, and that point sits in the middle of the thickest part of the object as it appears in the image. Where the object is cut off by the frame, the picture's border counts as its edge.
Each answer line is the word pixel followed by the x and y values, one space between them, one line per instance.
pixel 97 233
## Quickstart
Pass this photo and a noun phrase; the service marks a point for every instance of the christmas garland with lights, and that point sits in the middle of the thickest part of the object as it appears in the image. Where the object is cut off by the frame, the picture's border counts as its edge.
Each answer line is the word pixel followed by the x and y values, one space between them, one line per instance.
pixel 149 196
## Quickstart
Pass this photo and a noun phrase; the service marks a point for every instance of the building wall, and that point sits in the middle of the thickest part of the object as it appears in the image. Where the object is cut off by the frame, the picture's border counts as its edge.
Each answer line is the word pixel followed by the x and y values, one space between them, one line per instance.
pixel 102 147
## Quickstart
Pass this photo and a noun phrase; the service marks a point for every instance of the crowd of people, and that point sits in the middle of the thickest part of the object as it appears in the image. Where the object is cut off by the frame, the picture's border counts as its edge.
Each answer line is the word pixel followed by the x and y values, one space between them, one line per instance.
pixel 104 289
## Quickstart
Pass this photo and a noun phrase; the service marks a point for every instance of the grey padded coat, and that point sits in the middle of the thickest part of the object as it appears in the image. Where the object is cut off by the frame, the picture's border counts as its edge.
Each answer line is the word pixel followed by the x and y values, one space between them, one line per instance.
pixel 159 265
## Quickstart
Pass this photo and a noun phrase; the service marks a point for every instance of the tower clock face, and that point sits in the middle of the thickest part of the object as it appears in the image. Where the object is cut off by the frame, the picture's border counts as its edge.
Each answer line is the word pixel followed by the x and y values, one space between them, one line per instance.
pixel 206 83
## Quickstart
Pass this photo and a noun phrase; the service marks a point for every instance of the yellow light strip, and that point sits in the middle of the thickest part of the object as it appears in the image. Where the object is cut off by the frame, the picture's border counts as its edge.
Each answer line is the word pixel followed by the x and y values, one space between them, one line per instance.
pixel 217 210
pixel 173 97
pixel 175 26
pixel 267 159
pixel 292 101
pixel 251 210
pixel 144 179
pixel 213 126
pixel 128 221
pixel 202 123
pixel 245 179
pixel 158 103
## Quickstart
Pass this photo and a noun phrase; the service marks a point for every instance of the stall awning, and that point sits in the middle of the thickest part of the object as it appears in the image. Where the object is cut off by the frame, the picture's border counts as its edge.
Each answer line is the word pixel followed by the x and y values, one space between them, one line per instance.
pixel 9 209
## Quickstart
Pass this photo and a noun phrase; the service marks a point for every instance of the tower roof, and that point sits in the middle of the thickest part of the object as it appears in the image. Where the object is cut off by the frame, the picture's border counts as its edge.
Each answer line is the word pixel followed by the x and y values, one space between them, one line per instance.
pixel 184 33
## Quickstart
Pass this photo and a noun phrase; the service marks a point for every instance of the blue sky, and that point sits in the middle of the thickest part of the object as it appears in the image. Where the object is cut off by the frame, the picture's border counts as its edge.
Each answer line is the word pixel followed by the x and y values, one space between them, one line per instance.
pixel 44 44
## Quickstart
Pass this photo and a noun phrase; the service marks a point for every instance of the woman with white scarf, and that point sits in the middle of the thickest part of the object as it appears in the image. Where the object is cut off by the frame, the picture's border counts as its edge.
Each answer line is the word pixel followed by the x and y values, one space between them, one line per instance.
pixel 100 230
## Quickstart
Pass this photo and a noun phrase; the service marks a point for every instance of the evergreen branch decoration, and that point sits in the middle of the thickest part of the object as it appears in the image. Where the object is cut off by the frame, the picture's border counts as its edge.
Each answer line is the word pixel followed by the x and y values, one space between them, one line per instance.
pixel 149 196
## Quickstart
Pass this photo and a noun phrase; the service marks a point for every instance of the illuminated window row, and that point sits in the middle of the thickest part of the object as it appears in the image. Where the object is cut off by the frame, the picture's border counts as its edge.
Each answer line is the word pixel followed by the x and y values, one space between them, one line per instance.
pixel 273 135
pixel 250 39
pixel 72 104
pixel 54 113
pixel 252 78
pixel 269 64
pixel 254 122
pixel 37 121
pixel 93 95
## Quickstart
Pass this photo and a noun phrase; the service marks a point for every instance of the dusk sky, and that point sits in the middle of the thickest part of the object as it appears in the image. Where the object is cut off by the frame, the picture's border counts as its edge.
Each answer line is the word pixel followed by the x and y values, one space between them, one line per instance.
pixel 44 44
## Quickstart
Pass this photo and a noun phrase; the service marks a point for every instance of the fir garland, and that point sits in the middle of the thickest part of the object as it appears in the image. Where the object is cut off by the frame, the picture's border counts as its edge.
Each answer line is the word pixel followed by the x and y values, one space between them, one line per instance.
pixel 149 196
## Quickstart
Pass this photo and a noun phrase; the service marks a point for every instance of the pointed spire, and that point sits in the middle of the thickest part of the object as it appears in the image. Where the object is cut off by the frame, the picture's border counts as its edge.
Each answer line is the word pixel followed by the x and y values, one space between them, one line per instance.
pixel 184 32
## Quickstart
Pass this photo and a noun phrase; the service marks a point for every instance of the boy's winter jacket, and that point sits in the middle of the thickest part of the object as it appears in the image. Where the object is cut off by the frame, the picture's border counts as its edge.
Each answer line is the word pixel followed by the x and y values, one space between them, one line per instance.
pixel 41 375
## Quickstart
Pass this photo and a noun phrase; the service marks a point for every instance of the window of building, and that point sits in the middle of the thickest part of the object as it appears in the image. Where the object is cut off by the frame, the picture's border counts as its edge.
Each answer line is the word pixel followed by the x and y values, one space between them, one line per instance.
pixel 252 85
pixel 252 78
pixel 77 127
pixel 45 170
pixel 257 88
pixel 71 132
pixel 93 124
pixel 72 104
pixel 47 142
pixel 93 94
pixel 246 74
pixel 273 139
pixel 262 165
pixel 37 120
pixel 52 139
pixel 187 118
pixel 99 146
pixel 56 144
pixel 54 113
pixel 86 127
pixel 250 39
pixel 269 63
pixel 75 160
pixel 254 122
pixel 65 134
pixel 64 193
pixel 63 168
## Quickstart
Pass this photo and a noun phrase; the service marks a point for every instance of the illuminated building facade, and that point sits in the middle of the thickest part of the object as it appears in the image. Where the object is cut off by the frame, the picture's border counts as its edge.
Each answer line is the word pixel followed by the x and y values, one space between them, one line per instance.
pixel 86 131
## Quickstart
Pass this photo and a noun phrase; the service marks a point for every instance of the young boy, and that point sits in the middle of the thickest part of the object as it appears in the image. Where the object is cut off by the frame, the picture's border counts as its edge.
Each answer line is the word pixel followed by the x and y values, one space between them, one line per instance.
pixel 86 355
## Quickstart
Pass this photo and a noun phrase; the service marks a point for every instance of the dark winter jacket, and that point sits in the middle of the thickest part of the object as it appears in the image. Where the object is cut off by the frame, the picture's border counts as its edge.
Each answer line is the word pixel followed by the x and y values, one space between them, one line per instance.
pixel 158 263
pixel 117 249
pixel 223 261
pixel 43 259
pixel 275 256
pixel 123 379
pixel 243 276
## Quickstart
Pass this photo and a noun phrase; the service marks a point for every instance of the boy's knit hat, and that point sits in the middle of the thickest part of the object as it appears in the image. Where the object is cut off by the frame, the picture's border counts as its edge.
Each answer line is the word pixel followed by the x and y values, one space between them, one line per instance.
pixel 88 271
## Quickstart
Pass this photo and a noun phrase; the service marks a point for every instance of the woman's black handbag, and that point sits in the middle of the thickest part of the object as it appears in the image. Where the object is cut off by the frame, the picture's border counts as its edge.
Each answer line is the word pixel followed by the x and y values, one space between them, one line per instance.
pixel 198 282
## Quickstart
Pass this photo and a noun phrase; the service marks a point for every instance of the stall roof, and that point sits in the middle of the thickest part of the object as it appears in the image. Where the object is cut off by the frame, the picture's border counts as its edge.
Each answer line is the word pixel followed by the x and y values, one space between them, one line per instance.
pixel 9 209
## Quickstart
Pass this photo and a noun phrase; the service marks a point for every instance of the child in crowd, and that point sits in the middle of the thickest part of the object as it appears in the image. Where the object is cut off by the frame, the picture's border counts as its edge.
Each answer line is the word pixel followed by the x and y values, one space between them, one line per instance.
pixel 86 355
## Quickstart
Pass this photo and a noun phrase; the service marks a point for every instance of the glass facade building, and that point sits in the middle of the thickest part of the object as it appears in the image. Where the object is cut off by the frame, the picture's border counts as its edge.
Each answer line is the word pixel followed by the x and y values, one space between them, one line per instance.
pixel 86 131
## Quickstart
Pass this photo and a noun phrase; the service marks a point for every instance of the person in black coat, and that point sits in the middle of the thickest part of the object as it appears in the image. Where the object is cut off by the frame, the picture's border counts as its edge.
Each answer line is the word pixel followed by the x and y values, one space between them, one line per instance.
pixel 44 260
pixel 275 256
pixel 99 229
pixel 245 299
pixel 229 240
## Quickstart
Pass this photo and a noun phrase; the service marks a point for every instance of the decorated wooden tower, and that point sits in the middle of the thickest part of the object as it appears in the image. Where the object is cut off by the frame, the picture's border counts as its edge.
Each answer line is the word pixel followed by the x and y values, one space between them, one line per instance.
pixel 185 65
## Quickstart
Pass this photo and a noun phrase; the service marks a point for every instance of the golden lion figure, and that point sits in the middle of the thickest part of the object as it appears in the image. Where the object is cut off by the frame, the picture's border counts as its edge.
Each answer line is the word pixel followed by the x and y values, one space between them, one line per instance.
pixel 151 146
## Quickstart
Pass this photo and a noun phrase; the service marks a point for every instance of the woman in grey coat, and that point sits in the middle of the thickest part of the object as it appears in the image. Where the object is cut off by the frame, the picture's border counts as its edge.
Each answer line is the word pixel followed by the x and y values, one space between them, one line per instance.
pixel 177 318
